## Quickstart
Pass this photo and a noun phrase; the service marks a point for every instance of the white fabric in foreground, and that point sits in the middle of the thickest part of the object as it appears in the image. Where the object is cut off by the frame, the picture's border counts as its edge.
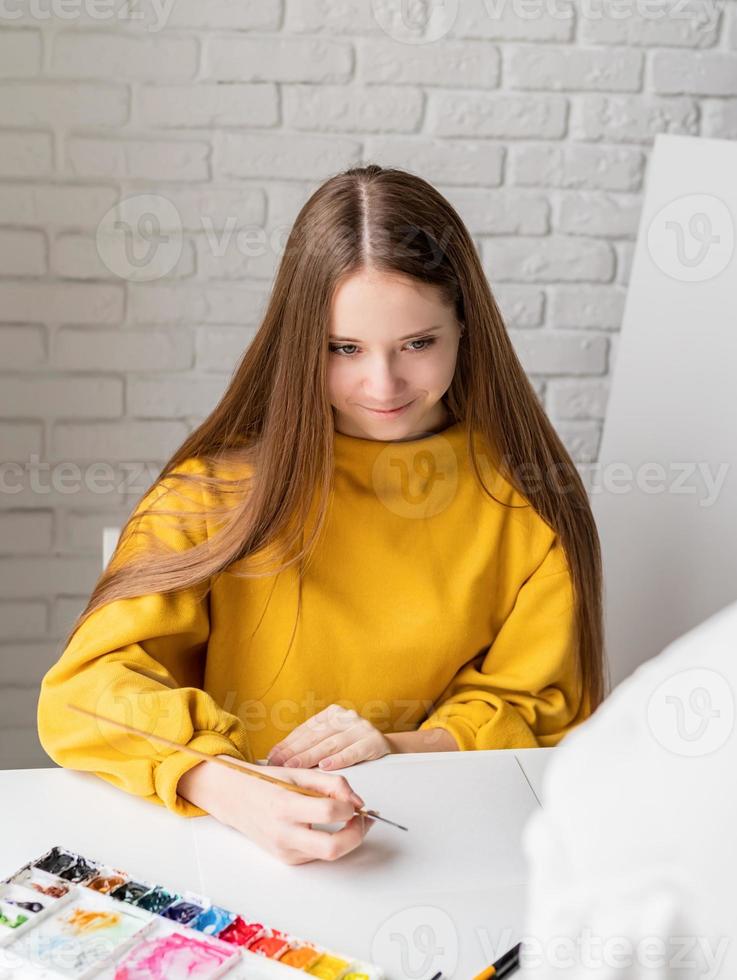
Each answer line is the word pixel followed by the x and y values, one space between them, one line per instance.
pixel 633 858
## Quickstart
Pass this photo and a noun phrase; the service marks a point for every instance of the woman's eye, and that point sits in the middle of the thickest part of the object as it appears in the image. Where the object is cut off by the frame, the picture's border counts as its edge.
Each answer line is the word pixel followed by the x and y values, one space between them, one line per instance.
pixel 341 348
pixel 428 341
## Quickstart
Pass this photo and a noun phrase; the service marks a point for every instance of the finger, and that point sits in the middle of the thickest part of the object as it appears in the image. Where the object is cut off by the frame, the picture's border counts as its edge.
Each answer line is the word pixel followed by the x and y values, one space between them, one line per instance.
pixel 350 729
pixel 335 788
pixel 362 750
pixel 328 746
pixel 306 811
pixel 303 737
pixel 329 846
pixel 334 718
pixel 294 808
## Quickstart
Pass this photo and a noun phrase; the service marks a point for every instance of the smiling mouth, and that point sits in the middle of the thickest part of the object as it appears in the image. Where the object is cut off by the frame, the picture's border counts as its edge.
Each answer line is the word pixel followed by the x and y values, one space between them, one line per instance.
pixel 387 411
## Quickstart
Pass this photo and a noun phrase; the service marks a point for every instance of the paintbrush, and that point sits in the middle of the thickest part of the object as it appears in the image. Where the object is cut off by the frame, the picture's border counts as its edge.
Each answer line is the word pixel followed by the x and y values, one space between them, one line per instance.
pixel 292 787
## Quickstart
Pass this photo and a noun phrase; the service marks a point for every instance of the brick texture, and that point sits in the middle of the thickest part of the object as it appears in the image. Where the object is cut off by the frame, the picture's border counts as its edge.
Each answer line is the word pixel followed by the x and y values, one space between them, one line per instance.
pixel 536 123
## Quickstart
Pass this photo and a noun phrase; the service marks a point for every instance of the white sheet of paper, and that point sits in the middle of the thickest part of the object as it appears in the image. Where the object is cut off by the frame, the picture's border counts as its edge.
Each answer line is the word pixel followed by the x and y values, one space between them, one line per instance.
pixel 461 856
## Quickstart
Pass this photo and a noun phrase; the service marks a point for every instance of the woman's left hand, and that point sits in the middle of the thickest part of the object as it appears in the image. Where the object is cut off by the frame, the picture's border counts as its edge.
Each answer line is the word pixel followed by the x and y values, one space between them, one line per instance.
pixel 331 739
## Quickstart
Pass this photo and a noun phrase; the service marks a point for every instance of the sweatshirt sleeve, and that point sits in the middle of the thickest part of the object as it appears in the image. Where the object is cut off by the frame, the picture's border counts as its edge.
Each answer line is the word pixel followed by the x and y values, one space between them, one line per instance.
pixel 139 660
pixel 523 691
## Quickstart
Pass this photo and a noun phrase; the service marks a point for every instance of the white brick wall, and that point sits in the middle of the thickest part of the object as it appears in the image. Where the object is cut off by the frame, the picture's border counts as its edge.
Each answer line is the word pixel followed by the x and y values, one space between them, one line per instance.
pixel 534 119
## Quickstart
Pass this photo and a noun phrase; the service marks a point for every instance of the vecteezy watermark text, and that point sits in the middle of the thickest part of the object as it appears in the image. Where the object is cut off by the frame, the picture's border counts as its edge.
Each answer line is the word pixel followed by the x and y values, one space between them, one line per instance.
pixel 702 479
pixel 151 15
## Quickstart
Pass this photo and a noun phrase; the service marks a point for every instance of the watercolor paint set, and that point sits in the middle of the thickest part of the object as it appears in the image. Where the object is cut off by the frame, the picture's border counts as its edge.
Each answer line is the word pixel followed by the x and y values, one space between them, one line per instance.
pixel 67 916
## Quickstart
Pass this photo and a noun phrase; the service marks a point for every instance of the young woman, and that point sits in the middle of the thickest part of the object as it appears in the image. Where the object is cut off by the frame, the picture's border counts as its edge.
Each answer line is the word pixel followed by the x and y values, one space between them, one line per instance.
pixel 375 543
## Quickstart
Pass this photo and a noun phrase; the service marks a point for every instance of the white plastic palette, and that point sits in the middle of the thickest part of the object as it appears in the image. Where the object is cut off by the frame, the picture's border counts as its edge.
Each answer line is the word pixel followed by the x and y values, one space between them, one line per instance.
pixel 78 939
pixel 66 916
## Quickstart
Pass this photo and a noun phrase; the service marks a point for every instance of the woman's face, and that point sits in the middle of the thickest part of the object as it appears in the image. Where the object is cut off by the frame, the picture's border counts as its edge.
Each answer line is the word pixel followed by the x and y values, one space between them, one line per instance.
pixel 391 342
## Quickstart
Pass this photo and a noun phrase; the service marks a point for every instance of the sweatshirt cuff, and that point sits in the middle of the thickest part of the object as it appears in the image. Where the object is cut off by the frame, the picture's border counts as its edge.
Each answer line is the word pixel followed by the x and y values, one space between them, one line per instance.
pixel 504 729
pixel 168 772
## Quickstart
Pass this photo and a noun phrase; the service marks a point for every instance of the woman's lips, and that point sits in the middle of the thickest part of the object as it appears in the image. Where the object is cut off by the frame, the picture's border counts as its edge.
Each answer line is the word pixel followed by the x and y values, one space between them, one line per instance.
pixel 388 415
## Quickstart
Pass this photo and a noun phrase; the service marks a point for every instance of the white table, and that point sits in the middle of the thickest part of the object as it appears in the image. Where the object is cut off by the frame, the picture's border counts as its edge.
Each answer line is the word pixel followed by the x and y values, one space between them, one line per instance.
pixel 448 895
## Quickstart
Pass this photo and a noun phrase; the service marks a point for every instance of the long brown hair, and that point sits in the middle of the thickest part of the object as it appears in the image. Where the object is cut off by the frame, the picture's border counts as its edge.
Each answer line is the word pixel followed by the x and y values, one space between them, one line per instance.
pixel 274 422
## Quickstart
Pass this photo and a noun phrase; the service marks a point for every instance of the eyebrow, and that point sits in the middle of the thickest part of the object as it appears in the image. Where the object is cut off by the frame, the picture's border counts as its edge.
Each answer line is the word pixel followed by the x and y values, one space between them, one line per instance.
pixel 352 340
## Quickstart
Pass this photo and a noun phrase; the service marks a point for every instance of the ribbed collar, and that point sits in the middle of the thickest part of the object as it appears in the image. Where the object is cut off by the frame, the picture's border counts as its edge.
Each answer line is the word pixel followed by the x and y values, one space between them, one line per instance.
pixel 353 452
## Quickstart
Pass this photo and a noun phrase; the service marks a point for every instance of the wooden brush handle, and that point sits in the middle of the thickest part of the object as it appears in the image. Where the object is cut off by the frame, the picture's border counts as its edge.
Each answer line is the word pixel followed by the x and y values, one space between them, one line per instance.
pixel 292 787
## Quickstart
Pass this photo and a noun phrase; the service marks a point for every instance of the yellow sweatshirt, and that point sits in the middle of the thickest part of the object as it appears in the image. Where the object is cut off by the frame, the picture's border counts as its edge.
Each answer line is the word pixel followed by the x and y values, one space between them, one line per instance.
pixel 425 604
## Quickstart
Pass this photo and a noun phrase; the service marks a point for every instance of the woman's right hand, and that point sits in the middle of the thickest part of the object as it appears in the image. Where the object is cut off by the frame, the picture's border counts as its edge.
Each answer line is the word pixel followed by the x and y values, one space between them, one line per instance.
pixel 274 818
